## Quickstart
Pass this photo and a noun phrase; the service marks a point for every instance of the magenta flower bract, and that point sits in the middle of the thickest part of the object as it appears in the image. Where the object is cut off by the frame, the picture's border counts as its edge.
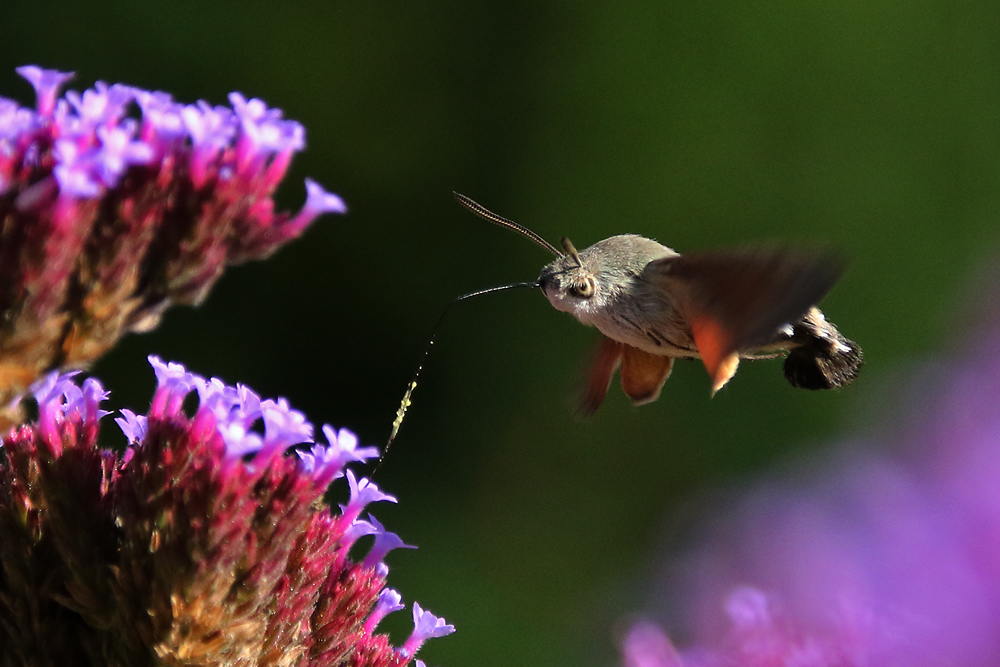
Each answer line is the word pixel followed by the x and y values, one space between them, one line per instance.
pixel 118 202
pixel 878 560
pixel 202 542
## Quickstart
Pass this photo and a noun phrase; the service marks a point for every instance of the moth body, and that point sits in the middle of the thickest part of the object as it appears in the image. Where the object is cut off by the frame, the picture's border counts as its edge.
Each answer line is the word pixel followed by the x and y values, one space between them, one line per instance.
pixel 654 305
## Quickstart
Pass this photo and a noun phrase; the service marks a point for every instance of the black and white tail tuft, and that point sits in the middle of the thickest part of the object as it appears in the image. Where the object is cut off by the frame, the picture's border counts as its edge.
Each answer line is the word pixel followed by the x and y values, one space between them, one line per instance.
pixel 824 359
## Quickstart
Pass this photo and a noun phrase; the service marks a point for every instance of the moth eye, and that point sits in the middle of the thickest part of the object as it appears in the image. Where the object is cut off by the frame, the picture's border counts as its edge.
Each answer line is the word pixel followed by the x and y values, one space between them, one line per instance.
pixel 583 289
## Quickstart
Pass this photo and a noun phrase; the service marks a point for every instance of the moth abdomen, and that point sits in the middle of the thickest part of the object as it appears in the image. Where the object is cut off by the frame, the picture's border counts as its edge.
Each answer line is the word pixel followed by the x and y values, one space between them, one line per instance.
pixel 823 369
pixel 824 358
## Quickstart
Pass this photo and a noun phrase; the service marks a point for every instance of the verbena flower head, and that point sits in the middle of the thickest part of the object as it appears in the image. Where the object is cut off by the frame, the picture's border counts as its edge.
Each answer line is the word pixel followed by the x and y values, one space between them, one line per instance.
pixel 877 561
pixel 204 542
pixel 118 202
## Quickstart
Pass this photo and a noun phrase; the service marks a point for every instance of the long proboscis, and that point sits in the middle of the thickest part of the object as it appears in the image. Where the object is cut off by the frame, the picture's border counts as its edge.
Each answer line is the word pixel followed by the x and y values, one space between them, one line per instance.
pixel 404 404
pixel 490 216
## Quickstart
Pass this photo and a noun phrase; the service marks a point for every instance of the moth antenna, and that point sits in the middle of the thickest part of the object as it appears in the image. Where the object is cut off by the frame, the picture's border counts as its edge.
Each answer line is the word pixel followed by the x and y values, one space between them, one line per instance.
pixel 404 404
pixel 571 251
pixel 490 216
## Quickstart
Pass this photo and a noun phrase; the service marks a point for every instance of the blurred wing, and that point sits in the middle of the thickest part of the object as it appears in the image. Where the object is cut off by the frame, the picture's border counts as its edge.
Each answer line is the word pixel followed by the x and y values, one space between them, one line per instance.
pixel 737 300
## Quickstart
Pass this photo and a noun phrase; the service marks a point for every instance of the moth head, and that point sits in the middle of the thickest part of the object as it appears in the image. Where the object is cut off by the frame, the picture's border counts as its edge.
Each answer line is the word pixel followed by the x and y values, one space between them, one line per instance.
pixel 583 283
pixel 569 282
pixel 593 282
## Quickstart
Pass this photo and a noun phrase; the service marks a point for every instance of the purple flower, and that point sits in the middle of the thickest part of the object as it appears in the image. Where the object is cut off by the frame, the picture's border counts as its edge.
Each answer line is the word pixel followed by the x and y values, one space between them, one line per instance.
pixel 47 83
pixel 384 543
pixel 283 426
pixel 119 202
pixel 363 493
pixel 330 459
pixel 425 626
pixel 388 602
pixel 101 104
pixel 118 152
pixel 880 559
pixel 177 551
pixel 318 202
pixel 645 645
pixel 132 425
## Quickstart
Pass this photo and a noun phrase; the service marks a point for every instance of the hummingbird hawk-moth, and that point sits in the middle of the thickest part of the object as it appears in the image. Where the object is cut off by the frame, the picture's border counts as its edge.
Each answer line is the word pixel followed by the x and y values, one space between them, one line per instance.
pixel 654 305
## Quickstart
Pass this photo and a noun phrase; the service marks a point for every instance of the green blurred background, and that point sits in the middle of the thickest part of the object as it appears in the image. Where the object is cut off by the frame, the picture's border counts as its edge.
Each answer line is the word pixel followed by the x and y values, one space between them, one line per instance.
pixel 871 125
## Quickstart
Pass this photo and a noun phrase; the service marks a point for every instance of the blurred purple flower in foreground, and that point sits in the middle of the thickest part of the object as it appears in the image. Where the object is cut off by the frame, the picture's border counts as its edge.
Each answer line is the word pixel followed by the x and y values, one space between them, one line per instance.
pixel 202 543
pixel 878 561
pixel 108 219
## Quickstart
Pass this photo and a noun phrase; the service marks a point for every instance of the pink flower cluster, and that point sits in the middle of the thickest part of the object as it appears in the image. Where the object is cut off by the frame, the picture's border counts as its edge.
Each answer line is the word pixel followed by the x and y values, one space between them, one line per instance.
pixel 118 202
pixel 203 541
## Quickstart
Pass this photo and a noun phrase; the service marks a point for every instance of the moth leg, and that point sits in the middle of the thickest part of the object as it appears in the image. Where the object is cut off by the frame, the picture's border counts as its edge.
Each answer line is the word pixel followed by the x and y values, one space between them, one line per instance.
pixel 643 374
pixel 603 366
